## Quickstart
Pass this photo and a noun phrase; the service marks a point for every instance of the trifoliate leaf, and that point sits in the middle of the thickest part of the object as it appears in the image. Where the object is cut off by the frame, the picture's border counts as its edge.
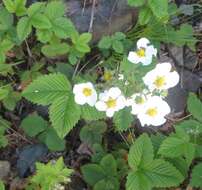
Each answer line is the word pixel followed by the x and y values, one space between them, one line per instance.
pixel 55 9
pixel 45 89
pixel 64 114
pixel 40 21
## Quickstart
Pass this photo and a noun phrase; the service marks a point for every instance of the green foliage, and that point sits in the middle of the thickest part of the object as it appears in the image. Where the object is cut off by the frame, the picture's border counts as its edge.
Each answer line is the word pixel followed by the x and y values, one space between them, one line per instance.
pixel 3 127
pixel 115 42
pixel 102 176
pixel 178 144
pixel 148 172
pixel 45 89
pixel 92 133
pixel 33 125
pixel 136 3
pixel 51 174
pixel 5 45
pixel 194 106
pixel 123 119
pixel 2 187
pixel 64 114
pixel 15 6
pixel 196 176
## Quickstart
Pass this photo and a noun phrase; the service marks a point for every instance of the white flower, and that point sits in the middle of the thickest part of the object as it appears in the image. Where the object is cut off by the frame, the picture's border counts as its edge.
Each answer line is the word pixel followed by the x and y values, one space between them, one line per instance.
pixel 154 112
pixel 137 101
pixel 144 53
pixel 85 94
pixel 161 77
pixel 111 101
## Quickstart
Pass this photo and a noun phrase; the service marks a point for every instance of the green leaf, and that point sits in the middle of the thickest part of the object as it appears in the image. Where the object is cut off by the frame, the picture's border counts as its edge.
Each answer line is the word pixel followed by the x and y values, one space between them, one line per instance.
pixel 53 50
pixel 119 36
pixel 117 46
pixel 35 9
pixel 45 89
pixel 108 163
pixel 53 142
pixel 6 19
pixel 2 187
pixel 138 181
pixel 196 176
pixel 85 38
pixel 24 28
pixel 64 114
pixel 91 113
pixel 136 3
pixel 63 27
pixel 144 16
pixel 3 93
pixel 159 8
pixel 92 133
pixel 40 21
pixel 163 174
pixel 105 42
pixel 44 36
pixel 191 126
pixel 123 119
pixel 92 173
pixel 195 106
pixel 10 6
pixel 33 125
pixel 20 8
pixel 107 184
pixel 55 9
pixel 141 152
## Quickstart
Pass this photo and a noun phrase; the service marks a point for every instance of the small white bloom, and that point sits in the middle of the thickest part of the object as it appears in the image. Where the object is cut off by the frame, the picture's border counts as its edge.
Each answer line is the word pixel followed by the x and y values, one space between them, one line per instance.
pixel 161 77
pixel 120 76
pixel 154 112
pixel 137 101
pixel 85 94
pixel 144 53
pixel 111 101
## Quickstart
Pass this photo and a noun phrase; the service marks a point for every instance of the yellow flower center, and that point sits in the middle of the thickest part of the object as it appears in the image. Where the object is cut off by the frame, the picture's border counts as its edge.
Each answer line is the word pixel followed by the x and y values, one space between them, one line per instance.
pixel 152 112
pixel 107 76
pixel 141 52
pixel 160 81
pixel 139 100
pixel 87 92
pixel 111 103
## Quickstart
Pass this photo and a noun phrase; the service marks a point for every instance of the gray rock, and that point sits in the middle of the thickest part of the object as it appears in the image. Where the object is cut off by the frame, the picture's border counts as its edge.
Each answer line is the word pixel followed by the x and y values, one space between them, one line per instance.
pixel 28 156
pixel 4 169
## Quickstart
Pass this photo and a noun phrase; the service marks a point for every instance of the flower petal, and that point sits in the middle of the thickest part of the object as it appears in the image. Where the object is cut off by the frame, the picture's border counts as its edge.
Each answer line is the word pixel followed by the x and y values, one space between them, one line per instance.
pixel 133 57
pixel 79 99
pixel 114 92
pixel 142 43
pixel 110 112
pixel 101 106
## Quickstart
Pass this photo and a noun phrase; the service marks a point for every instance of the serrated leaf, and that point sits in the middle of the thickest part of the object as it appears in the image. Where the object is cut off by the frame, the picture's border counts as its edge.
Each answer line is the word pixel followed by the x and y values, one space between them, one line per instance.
pixel 53 50
pixel 196 176
pixel 144 15
pixel 64 114
pixel 138 181
pixel 159 8
pixel 92 173
pixel 24 28
pixel 195 106
pixel 35 9
pixel 33 125
pixel 109 165
pixel 45 89
pixel 105 43
pixel 117 46
pixel 141 152
pixel 40 21
pixel 55 9
pixel 163 174
pixel 63 27
pixel 90 113
pixel 123 119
